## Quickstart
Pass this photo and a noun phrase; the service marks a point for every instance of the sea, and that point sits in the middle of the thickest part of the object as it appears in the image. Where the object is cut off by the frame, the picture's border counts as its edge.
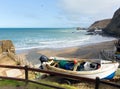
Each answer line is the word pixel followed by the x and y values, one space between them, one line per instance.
pixel 42 38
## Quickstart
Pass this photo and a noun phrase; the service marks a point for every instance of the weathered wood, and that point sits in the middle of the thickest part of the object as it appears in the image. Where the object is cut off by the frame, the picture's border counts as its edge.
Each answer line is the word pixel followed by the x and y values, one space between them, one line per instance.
pixel 97 83
pixel 62 74
pixel 26 80
pixel 110 83
pixel 13 67
pixel 26 74
pixel 11 78
pixel 19 79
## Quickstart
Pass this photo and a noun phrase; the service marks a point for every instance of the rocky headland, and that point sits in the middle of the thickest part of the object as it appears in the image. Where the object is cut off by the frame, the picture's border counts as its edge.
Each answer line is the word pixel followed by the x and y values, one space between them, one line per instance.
pixel 101 24
pixel 113 28
pixel 109 27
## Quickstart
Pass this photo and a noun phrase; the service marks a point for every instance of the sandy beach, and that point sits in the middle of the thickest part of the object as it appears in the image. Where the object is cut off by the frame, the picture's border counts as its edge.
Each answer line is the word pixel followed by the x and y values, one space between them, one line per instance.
pixel 89 51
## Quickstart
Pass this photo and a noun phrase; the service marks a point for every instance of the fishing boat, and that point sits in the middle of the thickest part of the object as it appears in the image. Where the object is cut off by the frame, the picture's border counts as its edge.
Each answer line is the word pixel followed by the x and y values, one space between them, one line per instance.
pixel 81 67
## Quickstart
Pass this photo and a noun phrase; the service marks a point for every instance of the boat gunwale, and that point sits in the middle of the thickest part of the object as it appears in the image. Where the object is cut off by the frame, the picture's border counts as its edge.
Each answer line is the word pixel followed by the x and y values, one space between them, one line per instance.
pixel 90 72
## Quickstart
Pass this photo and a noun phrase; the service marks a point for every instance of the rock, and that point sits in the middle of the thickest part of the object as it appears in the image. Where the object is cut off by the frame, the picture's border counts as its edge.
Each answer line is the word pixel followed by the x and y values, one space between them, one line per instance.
pixel 101 24
pixel 0 49
pixel 113 28
pixel 90 33
pixel 7 45
pixel 79 28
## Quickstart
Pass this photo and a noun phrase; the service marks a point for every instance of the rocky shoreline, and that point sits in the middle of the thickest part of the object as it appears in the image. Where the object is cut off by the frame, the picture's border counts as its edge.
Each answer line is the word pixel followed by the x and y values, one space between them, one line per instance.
pixel 109 27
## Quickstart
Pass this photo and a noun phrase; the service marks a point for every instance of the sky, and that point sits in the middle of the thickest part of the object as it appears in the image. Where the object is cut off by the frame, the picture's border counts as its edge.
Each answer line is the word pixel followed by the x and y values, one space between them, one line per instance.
pixel 55 13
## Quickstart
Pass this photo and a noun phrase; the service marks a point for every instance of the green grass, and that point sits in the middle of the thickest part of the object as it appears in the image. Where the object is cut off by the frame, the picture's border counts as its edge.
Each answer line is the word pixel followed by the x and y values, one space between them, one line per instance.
pixel 66 86
pixel 12 84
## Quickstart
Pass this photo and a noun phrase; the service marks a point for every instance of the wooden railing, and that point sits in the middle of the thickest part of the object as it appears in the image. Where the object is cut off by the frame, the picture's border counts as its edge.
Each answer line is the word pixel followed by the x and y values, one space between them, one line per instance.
pixel 26 79
pixel 98 82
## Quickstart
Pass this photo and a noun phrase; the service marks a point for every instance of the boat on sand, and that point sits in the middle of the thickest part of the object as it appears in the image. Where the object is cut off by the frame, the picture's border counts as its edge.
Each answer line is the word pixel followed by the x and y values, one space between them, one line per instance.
pixel 81 67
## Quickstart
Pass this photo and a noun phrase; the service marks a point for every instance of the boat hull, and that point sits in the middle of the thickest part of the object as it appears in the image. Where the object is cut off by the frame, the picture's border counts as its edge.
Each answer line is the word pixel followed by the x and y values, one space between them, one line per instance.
pixel 106 71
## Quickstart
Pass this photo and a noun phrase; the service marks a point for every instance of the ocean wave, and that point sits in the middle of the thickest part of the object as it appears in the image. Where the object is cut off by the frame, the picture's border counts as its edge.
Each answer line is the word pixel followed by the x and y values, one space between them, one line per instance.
pixel 49 38
pixel 65 43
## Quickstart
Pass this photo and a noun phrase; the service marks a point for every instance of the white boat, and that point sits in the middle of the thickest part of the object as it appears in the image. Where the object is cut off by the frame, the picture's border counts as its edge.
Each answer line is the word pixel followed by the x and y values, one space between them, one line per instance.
pixel 83 68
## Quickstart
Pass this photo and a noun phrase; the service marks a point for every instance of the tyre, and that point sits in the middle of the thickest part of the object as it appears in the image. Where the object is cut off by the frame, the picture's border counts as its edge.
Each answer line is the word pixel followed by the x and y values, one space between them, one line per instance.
pixel 65 81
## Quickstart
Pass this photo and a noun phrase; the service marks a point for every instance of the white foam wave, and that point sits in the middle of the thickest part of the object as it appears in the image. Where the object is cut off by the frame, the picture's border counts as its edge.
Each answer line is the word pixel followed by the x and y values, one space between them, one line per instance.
pixel 66 43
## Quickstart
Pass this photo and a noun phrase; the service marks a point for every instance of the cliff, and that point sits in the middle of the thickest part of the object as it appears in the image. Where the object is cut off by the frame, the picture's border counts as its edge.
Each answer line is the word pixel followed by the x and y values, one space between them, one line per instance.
pixel 101 24
pixel 113 28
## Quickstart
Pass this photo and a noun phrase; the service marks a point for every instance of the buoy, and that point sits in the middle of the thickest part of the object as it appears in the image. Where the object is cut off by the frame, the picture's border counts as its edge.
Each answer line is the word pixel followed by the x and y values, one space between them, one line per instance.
pixel 75 61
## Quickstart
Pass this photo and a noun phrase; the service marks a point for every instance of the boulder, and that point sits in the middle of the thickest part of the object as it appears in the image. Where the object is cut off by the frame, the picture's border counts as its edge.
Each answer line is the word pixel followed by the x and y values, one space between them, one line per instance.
pixel 0 49
pixel 7 45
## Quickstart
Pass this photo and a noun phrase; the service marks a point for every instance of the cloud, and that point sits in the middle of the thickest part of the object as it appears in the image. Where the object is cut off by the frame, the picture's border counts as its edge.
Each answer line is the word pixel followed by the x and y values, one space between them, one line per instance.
pixel 88 6
pixel 88 10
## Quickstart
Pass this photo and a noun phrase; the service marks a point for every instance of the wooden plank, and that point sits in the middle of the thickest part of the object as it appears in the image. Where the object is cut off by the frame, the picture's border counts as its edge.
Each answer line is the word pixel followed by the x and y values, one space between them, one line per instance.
pixel 53 73
pixel 13 67
pixel 97 83
pixel 110 83
pixel 11 78
pixel 62 74
pixel 26 74
pixel 19 79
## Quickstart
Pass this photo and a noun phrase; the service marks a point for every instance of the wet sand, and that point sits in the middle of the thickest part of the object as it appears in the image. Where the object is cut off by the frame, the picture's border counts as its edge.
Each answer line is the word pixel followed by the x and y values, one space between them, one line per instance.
pixel 89 51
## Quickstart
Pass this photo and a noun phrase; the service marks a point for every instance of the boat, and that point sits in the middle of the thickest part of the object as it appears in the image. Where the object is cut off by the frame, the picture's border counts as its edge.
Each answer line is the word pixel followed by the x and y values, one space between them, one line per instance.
pixel 81 67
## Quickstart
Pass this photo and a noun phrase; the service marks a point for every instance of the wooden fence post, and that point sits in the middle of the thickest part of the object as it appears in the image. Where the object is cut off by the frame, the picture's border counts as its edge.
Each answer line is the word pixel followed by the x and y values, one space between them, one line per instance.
pixel 26 75
pixel 97 82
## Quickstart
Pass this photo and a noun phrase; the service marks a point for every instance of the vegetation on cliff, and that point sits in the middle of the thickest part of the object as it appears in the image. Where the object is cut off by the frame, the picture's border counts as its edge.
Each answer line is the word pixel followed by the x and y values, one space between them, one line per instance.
pixel 101 24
